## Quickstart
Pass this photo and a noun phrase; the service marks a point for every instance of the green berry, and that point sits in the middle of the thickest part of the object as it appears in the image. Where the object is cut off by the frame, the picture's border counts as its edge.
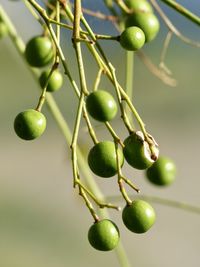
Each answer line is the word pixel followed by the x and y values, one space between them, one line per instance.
pixel 101 105
pixel 30 124
pixel 3 29
pixel 39 51
pixel 137 152
pixel 139 6
pixel 103 235
pixel 162 172
pixel 139 216
pixel 132 38
pixel 55 82
pixel 102 159
pixel 148 22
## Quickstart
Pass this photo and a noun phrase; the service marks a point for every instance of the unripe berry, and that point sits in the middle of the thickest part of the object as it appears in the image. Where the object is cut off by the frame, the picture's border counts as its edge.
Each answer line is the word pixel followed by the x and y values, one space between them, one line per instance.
pixel 102 159
pixel 148 22
pixel 139 6
pixel 139 216
pixel 30 124
pixel 39 51
pixel 101 105
pixel 137 151
pixel 162 172
pixel 54 83
pixel 103 235
pixel 132 38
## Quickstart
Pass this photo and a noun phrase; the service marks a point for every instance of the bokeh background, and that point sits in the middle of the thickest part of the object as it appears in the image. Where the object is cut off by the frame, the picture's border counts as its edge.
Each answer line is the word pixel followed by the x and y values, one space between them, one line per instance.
pixel 43 221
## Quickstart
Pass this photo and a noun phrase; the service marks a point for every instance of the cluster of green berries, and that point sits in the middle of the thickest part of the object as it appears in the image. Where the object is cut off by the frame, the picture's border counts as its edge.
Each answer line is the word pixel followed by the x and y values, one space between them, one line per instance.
pixel 141 26
pixel 104 160
pixel 138 216
pixel 39 52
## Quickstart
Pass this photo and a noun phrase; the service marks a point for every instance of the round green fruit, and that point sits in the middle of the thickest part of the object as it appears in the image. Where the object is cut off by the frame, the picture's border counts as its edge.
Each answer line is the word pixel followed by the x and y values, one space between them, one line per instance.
pixel 137 152
pixel 139 6
pixel 101 105
pixel 103 235
pixel 30 124
pixel 139 216
pixel 132 38
pixel 102 159
pixel 148 22
pixel 39 51
pixel 55 81
pixel 3 29
pixel 162 172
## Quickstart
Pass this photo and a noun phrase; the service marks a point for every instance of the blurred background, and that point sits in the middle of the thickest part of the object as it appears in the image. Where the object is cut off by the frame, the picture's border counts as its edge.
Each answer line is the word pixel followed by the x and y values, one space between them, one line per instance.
pixel 43 221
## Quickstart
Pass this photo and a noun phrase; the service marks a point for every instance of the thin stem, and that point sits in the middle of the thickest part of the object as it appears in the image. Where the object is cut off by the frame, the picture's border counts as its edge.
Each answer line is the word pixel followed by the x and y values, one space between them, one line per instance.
pixel 113 133
pixel 127 181
pixel 129 80
pixel 89 125
pixel 120 180
pixel 43 94
pixel 123 112
pixel 93 197
pixel 20 47
pixel 171 26
pixel 183 11
pixel 98 79
pixel 162 201
pixel 164 52
pixel 88 204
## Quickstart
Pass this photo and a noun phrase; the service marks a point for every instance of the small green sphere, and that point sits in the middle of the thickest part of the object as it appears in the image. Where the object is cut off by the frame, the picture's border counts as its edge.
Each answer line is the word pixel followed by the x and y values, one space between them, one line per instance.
pixel 162 172
pixel 148 22
pixel 102 159
pixel 103 235
pixel 30 124
pixel 132 38
pixel 39 51
pixel 101 105
pixel 136 152
pixel 3 29
pixel 139 216
pixel 55 81
pixel 139 6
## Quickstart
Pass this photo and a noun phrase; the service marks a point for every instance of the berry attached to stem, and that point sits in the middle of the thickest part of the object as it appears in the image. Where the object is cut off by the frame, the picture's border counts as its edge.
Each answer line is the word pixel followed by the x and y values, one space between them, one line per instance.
pixel 103 235
pixel 101 105
pixel 139 216
pixel 148 22
pixel 102 159
pixel 162 172
pixel 30 124
pixel 55 81
pixel 39 51
pixel 132 38
pixel 137 151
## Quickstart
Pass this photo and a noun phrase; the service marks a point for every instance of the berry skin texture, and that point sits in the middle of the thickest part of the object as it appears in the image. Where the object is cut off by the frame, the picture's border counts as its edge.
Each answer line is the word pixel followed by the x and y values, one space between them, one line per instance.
pixel 148 22
pixel 3 29
pixel 30 124
pixel 136 151
pixel 102 159
pixel 138 217
pixel 101 105
pixel 132 38
pixel 162 172
pixel 39 51
pixel 139 6
pixel 103 235
pixel 55 82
